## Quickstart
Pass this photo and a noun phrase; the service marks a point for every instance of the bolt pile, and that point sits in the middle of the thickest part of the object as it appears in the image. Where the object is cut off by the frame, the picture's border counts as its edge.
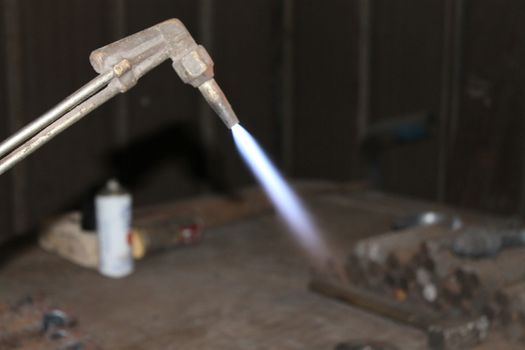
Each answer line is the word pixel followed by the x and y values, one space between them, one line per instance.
pixel 421 269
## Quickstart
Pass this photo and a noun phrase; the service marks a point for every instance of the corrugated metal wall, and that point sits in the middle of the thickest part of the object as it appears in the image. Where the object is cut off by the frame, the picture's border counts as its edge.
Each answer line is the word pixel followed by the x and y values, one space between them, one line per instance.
pixel 307 78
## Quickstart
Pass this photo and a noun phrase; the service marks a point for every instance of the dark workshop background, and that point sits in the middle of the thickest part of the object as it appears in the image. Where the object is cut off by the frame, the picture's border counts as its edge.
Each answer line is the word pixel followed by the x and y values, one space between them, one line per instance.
pixel 314 81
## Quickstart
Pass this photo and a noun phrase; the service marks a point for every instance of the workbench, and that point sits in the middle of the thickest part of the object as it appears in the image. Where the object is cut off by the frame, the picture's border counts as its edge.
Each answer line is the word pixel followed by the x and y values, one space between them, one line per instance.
pixel 244 287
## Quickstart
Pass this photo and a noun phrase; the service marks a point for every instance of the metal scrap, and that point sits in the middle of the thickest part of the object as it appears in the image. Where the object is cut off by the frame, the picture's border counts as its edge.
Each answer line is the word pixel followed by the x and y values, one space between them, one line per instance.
pixel 31 323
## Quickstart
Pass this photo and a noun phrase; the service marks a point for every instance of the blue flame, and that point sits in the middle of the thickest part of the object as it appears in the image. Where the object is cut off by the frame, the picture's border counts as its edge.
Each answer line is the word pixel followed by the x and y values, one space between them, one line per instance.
pixel 280 193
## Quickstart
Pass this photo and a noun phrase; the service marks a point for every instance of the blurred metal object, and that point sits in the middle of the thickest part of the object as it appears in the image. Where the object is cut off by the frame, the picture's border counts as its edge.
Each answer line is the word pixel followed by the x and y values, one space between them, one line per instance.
pixel 365 344
pixel 427 218
pixel 480 242
pixel 56 319
pixel 120 65
pixel 460 336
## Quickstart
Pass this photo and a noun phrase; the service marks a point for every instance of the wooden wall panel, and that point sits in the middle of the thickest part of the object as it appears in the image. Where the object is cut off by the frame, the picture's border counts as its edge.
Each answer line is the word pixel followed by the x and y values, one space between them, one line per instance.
pixel 58 37
pixel 407 45
pixel 159 161
pixel 325 103
pixel 5 190
pixel 406 76
pixel 486 159
pixel 161 98
pixel 245 50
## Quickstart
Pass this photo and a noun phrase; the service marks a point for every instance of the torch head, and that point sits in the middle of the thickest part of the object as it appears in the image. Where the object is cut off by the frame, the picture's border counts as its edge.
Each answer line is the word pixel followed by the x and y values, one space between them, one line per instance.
pixel 150 47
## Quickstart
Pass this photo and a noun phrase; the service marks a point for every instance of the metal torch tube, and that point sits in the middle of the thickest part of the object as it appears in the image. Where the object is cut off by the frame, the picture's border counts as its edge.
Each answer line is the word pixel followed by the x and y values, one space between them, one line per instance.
pixel 218 102
pixel 57 127
pixel 56 112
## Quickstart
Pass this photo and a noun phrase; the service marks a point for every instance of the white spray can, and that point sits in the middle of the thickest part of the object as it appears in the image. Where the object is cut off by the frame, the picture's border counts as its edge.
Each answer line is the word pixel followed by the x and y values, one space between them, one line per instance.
pixel 113 213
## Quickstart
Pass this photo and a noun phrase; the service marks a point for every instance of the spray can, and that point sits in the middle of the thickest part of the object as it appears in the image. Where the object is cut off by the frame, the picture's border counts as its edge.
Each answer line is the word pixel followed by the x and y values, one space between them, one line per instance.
pixel 113 214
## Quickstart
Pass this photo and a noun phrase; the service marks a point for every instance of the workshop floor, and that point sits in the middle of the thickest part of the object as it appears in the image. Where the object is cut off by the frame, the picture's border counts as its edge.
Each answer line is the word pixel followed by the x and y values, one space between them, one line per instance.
pixel 245 287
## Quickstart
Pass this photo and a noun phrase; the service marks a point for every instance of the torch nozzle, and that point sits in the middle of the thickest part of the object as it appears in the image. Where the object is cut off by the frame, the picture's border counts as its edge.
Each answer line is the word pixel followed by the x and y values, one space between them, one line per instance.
pixel 218 102
pixel 150 47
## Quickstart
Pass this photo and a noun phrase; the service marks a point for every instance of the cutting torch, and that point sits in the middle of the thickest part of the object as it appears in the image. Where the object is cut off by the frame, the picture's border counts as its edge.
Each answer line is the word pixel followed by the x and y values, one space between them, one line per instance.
pixel 120 65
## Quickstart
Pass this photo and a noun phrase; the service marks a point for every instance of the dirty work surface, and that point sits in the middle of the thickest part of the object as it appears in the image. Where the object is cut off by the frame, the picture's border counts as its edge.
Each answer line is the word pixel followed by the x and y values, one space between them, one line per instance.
pixel 245 287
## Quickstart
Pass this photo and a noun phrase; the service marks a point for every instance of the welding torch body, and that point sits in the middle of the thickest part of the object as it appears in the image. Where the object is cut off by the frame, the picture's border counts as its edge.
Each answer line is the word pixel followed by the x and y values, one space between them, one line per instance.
pixel 120 65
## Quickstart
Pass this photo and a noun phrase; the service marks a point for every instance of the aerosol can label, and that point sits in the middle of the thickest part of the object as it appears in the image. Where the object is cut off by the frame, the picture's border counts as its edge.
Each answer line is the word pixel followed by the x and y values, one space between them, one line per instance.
pixel 113 211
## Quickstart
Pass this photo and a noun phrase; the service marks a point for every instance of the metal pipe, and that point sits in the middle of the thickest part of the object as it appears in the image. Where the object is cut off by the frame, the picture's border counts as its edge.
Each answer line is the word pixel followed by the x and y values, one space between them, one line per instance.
pixel 364 72
pixel 56 112
pixel 57 127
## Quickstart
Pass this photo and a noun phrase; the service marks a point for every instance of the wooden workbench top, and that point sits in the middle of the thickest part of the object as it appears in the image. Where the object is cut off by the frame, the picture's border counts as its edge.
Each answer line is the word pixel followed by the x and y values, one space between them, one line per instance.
pixel 244 287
